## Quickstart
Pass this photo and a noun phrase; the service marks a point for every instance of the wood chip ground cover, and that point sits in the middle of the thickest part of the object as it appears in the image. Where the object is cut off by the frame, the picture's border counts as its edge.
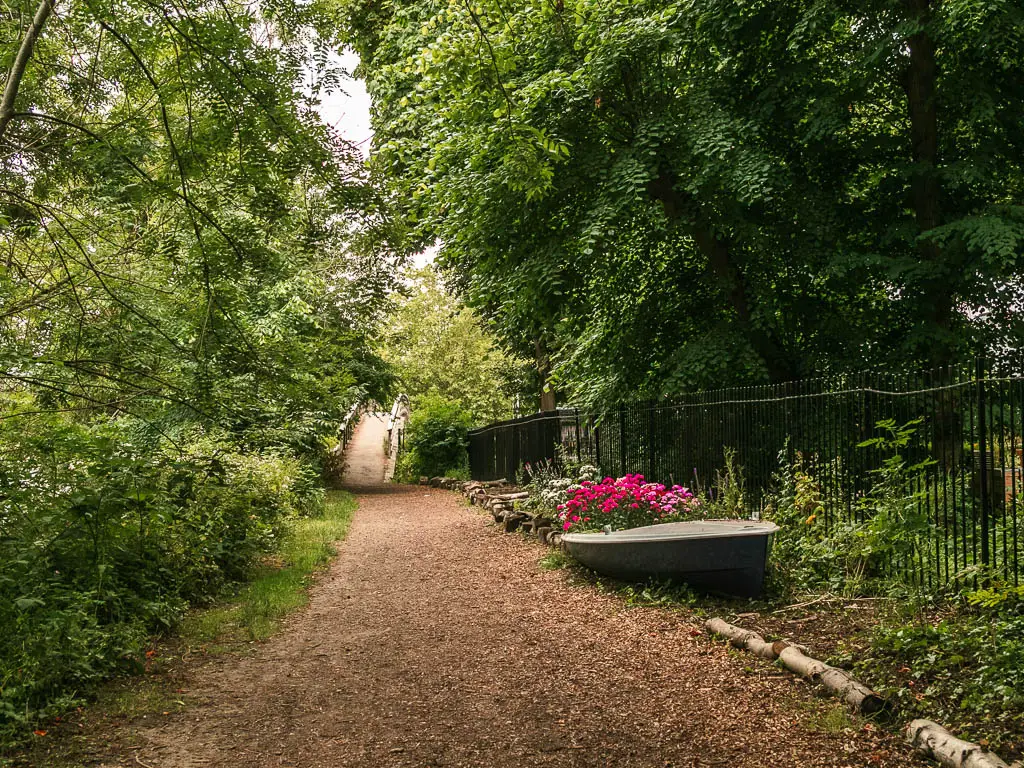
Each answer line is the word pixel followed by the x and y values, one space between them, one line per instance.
pixel 436 640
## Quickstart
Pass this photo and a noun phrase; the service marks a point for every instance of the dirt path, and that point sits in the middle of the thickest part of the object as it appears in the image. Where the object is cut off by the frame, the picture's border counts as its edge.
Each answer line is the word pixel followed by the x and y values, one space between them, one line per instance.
pixel 435 640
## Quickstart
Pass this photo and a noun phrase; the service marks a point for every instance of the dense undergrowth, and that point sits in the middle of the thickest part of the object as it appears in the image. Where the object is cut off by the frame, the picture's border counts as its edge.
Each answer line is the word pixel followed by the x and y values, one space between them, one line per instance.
pixel 244 613
pixel 105 540
pixel 961 663
pixel 436 441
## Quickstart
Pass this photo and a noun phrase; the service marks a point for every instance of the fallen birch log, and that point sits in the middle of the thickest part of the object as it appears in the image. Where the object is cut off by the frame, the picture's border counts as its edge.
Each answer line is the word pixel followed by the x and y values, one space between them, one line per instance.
pixel 858 696
pixel 742 638
pixel 934 741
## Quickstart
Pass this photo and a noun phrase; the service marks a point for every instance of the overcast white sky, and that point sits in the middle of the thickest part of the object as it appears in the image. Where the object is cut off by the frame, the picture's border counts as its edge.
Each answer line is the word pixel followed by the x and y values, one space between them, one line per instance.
pixel 349 111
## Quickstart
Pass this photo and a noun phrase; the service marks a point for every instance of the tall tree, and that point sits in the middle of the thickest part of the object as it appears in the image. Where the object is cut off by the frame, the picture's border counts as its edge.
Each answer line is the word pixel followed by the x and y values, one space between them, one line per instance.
pixel 177 219
pixel 440 347
pixel 797 186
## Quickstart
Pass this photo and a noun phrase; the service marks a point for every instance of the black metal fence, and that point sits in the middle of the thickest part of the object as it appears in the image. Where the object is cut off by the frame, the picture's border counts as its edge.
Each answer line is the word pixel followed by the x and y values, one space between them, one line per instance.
pixel 967 424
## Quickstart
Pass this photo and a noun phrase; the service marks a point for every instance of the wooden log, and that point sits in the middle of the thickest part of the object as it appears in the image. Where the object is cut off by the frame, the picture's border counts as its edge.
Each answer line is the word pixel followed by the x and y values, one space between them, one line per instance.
pixel 778 647
pixel 511 496
pixel 934 741
pixel 742 638
pixel 858 696
pixel 512 522
pixel 837 681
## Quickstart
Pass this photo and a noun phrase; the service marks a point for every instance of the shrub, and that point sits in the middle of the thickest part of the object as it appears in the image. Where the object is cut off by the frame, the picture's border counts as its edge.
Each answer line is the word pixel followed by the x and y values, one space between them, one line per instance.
pixel 105 538
pixel 850 554
pixel 436 439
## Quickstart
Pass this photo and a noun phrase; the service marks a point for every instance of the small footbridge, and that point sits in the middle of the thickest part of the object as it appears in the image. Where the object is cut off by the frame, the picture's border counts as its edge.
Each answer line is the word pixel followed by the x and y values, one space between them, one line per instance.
pixel 371 441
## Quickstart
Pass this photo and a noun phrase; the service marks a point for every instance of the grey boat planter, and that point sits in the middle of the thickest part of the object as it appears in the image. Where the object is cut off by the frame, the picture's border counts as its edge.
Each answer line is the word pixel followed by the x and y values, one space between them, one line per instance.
pixel 727 556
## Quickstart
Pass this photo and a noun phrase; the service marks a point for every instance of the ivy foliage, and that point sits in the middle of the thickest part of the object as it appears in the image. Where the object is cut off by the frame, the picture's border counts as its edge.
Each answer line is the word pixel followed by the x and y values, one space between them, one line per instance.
pixel 666 195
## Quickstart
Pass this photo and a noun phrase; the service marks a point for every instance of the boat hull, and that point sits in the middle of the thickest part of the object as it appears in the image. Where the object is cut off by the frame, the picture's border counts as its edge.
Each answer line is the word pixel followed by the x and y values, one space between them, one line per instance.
pixel 727 556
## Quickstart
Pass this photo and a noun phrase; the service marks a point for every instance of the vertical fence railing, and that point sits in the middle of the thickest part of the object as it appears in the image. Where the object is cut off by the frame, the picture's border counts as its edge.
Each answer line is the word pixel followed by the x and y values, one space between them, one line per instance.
pixel 964 437
pixel 348 425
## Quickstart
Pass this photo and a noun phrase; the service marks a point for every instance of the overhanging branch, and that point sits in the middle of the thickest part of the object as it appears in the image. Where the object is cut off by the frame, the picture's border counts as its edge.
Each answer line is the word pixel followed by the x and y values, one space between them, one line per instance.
pixel 17 73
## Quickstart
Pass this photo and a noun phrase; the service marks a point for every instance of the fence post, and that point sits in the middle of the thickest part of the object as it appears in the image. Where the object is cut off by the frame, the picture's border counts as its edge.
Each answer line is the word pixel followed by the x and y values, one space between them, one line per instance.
pixel 983 468
pixel 651 418
pixel 622 439
pixel 579 436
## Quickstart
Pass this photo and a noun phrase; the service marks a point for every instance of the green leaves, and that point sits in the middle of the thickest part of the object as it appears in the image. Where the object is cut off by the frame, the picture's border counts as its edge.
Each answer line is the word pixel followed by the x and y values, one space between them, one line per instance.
pixel 439 347
pixel 765 154
pixel 185 246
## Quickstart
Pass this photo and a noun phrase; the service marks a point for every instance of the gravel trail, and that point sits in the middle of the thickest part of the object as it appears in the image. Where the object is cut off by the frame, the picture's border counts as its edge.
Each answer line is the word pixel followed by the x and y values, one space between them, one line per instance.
pixel 436 640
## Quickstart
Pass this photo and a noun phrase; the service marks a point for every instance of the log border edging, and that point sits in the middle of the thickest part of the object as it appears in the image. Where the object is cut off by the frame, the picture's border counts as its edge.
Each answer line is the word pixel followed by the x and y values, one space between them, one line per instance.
pixel 932 740
pixel 925 736
pixel 860 698
pixel 500 499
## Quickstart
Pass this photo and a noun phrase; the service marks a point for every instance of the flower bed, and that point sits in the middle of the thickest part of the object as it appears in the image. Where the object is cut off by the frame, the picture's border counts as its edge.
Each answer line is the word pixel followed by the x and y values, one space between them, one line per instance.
pixel 626 502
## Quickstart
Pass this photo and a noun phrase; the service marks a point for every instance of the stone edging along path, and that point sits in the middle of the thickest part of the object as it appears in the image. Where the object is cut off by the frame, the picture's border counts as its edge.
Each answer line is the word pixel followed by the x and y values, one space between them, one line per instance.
pixel 924 736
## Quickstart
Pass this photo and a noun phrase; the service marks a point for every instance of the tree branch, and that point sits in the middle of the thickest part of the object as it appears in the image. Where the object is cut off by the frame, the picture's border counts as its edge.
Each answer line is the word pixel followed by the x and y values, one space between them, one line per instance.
pixel 14 77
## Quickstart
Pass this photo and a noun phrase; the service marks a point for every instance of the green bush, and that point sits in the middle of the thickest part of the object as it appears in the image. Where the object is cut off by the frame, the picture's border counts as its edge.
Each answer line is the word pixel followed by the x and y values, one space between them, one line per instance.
pixel 436 439
pixel 105 538
pixel 851 555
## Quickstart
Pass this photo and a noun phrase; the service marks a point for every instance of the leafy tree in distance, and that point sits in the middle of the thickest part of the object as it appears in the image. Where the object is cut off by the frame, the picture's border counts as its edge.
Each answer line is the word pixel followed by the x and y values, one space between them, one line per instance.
pixel 439 347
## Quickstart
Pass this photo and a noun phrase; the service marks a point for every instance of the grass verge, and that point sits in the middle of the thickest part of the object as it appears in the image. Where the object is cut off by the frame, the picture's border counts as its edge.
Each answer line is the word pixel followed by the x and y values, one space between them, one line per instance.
pixel 279 586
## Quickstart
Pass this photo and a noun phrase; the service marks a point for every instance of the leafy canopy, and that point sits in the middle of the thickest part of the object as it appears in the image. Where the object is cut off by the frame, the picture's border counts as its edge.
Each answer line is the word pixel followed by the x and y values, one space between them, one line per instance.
pixel 670 195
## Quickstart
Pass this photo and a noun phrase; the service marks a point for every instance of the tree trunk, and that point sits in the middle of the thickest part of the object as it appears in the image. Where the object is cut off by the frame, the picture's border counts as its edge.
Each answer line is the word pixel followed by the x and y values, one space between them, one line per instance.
pixel 726 272
pixel 547 393
pixel 925 186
